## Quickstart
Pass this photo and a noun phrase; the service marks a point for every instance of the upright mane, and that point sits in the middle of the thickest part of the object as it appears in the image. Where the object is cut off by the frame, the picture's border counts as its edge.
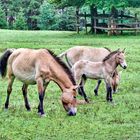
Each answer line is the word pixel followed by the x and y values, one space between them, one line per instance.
pixel 63 65
pixel 110 55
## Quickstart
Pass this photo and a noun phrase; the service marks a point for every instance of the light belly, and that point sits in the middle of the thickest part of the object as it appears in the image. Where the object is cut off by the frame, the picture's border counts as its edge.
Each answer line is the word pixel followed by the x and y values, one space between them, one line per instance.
pixel 26 77
pixel 94 75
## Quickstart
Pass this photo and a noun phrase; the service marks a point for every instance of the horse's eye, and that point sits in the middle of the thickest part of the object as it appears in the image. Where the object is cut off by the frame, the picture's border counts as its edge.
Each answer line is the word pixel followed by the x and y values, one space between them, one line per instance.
pixel 74 97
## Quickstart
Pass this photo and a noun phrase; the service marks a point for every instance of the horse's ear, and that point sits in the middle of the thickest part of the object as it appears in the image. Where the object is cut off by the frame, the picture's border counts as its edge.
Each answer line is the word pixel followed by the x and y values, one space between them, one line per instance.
pixel 75 87
pixel 118 49
pixel 123 50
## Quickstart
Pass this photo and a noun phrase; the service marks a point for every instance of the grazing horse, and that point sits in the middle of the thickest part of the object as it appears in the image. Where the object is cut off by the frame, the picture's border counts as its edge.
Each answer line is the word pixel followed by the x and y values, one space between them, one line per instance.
pixel 39 67
pixel 77 53
pixel 100 70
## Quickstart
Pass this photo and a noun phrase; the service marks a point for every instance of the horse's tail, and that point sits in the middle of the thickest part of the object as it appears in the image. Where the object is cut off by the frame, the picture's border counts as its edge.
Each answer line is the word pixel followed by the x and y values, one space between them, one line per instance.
pixel 3 62
pixel 64 54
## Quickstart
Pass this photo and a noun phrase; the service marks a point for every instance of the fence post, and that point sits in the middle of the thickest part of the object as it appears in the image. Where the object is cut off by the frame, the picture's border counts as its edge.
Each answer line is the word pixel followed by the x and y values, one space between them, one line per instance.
pixel 95 30
pixel 103 16
pixel 85 15
pixel 136 23
pixel 109 29
pixel 122 13
pixel 77 19
pixel 93 11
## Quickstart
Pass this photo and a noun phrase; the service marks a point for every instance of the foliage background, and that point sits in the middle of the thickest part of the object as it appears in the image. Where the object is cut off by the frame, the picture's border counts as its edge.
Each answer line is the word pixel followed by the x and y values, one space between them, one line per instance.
pixel 51 14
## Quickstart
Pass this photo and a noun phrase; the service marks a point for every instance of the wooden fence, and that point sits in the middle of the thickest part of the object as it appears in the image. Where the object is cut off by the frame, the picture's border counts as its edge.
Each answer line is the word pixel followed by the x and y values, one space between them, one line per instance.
pixel 113 23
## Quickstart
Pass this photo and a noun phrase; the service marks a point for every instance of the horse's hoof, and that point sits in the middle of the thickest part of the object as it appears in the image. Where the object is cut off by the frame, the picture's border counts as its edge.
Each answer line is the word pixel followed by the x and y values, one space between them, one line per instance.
pixel 42 115
pixel 111 102
pixel 5 109
pixel 28 108
pixel 115 92
pixel 108 100
pixel 96 93
pixel 87 101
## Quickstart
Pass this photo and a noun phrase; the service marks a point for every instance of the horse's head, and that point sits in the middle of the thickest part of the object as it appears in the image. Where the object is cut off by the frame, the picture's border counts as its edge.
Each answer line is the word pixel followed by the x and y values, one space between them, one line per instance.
pixel 69 101
pixel 120 58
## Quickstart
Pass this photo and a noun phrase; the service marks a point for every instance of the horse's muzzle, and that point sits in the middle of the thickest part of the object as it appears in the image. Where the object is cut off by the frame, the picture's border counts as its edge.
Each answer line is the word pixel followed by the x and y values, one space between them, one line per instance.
pixel 124 67
pixel 72 111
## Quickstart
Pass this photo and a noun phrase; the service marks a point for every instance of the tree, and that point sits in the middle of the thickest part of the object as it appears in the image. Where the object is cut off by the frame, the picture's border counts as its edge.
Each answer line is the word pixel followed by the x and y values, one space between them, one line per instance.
pixel 3 22
pixel 134 3
pixel 31 9
pixel 67 19
pixel 20 22
pixel 99 3
pixel 67 3
pixel 47 17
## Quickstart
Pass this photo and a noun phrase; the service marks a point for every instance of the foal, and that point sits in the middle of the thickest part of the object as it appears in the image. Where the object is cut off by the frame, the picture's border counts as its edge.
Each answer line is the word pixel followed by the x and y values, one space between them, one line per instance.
pixel 77 53
pixel 39 67
pixel 100 70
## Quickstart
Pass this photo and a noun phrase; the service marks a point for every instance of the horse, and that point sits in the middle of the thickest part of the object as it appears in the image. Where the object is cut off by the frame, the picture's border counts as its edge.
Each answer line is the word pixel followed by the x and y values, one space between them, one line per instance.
pixel 39 66
pixel 77 53
pixel 100 70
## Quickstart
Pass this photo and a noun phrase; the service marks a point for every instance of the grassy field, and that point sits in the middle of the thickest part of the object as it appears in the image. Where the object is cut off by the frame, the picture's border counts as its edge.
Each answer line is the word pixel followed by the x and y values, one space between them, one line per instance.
pixel 95 121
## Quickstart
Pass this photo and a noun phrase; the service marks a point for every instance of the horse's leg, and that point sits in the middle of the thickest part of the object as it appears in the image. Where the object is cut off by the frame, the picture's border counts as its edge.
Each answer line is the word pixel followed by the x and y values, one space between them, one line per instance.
pixel 110 89
pixel 41 94
pixel 45 86
pixel 9 89
pixel 39 106
pixel 97 87
pixel 109 92
pixel 81 88
pixel 24 91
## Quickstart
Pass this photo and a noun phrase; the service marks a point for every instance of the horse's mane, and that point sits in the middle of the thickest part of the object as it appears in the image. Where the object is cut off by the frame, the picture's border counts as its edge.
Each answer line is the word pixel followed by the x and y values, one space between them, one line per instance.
pixel 63 65
pixel 110 55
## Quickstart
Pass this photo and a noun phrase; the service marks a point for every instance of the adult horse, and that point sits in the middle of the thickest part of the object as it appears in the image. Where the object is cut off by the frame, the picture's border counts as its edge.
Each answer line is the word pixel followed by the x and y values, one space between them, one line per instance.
pixel 77 53
pixel 100 70
pixel 38 67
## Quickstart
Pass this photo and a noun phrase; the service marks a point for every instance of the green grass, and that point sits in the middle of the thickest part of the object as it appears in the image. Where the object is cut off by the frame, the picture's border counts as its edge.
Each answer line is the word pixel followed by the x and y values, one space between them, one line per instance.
pixel 95 121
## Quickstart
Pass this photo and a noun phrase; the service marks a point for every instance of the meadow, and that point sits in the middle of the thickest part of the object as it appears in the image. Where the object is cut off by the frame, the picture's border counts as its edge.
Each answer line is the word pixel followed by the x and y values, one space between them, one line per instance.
pixel 95 121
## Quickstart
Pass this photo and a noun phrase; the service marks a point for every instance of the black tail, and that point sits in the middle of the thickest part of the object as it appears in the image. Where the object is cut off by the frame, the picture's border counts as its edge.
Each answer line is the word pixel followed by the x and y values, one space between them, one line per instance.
pixel 3 62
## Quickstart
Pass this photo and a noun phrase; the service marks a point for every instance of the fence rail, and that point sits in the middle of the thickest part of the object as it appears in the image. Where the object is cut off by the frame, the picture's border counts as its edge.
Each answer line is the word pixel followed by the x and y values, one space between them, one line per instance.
pixel 112 22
